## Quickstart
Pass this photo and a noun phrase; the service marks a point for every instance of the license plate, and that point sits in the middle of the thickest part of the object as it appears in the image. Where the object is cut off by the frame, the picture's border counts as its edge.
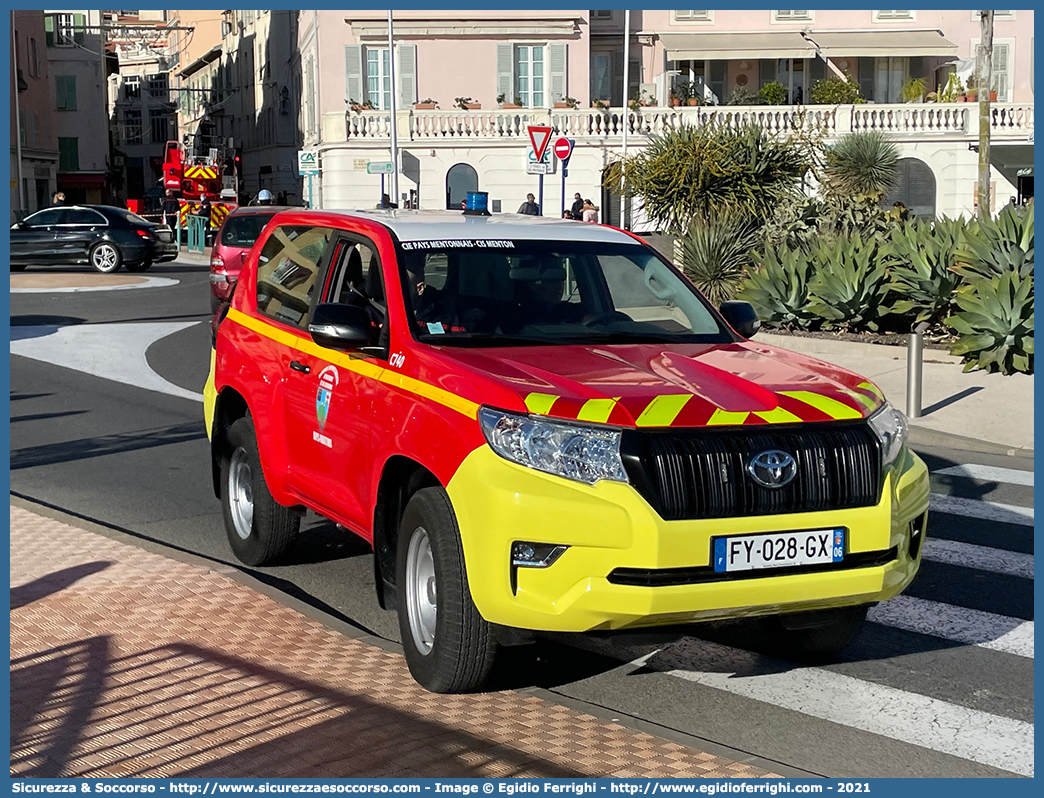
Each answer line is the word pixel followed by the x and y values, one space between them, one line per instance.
pixel 779 550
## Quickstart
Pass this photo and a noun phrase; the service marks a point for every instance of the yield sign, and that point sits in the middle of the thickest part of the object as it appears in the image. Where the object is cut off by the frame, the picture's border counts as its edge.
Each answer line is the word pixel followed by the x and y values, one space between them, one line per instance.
pixel 539 136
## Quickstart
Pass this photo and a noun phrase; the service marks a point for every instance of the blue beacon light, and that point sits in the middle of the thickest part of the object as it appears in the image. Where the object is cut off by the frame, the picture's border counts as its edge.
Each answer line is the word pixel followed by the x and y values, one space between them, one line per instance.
pixel 476 203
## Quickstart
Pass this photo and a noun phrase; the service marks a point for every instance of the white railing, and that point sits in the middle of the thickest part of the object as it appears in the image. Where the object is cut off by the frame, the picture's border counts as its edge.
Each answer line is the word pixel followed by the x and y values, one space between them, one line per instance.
pixel 903 121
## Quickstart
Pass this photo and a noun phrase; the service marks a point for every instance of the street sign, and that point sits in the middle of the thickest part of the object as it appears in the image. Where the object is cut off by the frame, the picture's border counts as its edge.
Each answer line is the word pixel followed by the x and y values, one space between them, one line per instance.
pixel 545 166
pixel 380 168
pixel 539 136
pixel 563 149
pixel 307 162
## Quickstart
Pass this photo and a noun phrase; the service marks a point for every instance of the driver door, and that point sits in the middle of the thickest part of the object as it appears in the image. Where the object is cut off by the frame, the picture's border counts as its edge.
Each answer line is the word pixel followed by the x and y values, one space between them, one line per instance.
pixel 330 396
pixel 34 242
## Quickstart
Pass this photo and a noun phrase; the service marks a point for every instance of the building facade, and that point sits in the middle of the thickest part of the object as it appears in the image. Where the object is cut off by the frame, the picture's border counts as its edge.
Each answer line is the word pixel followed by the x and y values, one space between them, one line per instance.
pixel 77 64
pixel 34 140
pixel 565 69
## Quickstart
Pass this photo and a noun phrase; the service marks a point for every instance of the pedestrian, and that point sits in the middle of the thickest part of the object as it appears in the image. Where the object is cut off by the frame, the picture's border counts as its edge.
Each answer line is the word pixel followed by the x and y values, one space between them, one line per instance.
pixel 529 207
pixel 264 197
pixel 568 214
pixel 386 202
pixel 577 207
pixel 590 212
pixel 58 199
pixel 901 211
pixel 281 199
pixel 171 209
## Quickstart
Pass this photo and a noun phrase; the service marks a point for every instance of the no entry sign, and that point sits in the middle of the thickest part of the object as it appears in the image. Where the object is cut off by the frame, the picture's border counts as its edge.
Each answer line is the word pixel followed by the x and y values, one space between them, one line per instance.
pixel 563 149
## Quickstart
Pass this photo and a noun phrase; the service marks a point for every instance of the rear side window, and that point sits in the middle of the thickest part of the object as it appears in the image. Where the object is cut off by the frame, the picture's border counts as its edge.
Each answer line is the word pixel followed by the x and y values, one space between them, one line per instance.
pixel 287 269
pixel 243 231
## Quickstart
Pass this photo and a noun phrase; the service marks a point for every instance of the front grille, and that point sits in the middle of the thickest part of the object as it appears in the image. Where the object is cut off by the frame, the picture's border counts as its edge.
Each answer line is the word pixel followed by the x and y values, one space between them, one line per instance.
pixel 690 474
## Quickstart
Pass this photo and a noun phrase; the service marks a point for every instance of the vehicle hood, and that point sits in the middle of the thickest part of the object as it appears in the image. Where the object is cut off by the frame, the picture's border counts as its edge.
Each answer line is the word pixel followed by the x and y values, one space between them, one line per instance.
pixel 650 385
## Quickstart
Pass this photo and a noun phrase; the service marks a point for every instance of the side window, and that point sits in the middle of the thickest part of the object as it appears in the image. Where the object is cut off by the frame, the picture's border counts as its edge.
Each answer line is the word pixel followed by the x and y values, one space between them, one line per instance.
pixel 286 272
pixel 82 216
pixel 357 277
pixel 45 218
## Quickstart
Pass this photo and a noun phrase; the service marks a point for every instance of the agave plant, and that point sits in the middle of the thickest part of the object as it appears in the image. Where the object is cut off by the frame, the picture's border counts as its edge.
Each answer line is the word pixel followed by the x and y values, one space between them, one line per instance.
pixel 919 257
pixel 850 288
pixel 778 290
pixel 997 246
pixel 861 165
pixel 715 254
pixel 995 324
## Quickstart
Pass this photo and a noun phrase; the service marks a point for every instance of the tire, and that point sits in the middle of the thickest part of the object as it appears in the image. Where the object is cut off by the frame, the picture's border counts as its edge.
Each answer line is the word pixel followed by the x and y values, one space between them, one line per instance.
pixel 106 257
pixel 144 266
pixel 18 267
pixel 449 647
pixel 259 529
pixel 814 636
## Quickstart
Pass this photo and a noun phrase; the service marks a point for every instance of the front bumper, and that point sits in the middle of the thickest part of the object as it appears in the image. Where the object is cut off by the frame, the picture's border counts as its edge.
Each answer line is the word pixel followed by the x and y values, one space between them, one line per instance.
pixel 609 526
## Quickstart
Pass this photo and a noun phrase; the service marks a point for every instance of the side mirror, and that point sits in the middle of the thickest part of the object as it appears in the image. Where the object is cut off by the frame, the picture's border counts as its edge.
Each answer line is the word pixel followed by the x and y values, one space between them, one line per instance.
pixel 742 317
pixel 341 327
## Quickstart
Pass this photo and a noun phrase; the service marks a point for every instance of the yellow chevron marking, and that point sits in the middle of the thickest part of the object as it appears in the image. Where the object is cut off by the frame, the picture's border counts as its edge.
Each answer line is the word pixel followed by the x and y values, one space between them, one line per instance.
pixel 597 410
pixel 832 407
pixel 863 399
pixel 777 416
pixel 540 403
pixel 872 388
pixel 725 417
pixel 662 410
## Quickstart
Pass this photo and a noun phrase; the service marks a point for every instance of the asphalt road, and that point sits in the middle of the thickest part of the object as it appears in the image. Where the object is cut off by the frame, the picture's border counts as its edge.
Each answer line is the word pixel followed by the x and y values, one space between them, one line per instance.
pixel 940 683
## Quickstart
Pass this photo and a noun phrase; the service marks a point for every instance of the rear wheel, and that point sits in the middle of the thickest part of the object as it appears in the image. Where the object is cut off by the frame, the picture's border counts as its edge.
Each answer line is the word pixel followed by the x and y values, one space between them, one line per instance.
pixel 144 266
pixel 106 257
pixel 449 647
pixel 818 635
pixel 260 530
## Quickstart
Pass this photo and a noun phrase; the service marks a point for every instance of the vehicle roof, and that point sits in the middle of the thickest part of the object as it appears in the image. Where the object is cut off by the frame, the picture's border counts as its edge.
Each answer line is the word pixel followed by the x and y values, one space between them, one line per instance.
pixel 425 225
pixel 252 210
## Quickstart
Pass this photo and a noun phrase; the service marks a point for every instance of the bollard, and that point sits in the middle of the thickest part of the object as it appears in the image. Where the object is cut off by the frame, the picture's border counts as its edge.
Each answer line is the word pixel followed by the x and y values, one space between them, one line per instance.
pixel 914 369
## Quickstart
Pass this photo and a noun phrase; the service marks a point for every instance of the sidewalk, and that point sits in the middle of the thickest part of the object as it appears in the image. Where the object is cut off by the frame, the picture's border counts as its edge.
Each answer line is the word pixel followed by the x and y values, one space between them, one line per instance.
pixel 980 408
pixel 184 256
pixel 128 663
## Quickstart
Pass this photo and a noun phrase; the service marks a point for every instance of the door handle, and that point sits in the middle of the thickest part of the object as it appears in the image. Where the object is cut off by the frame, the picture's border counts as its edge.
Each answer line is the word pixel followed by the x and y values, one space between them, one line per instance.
pixel 298 366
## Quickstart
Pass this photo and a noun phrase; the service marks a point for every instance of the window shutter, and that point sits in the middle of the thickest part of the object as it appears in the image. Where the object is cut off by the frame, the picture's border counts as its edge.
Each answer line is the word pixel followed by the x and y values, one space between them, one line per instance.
pixel 557 64
pixel 768 71
pixel 79 23
pixel 866 77
pixel 615 78
pixel 1000 72
pixel 506 71
pixel 407 57
pixel 49 29
pixel 354 91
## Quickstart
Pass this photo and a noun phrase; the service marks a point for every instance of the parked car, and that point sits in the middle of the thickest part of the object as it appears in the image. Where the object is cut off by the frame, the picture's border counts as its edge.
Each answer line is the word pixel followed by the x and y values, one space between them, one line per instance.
pixel 232 244
pixel 544 426
pixel 102 236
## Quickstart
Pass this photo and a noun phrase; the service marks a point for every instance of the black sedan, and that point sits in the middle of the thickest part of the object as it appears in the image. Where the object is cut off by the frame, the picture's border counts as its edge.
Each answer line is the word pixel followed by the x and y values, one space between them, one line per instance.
pixel 100 235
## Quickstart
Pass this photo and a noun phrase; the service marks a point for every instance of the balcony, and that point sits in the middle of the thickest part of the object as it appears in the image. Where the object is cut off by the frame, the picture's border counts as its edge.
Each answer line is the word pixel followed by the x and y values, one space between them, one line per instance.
pixel 903 122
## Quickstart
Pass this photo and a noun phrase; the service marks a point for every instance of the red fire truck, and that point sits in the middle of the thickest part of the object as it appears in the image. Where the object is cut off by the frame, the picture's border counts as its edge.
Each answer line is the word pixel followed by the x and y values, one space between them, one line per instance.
pixel 189 175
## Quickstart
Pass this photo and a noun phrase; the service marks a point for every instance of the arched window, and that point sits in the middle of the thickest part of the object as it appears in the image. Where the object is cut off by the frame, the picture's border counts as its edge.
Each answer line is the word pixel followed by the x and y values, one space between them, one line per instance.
pixel 914 187
pixel 460 179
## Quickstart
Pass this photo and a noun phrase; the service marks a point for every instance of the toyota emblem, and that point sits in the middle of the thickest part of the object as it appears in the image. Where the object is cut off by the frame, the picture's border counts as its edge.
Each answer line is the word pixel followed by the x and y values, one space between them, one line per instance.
pixel 772 468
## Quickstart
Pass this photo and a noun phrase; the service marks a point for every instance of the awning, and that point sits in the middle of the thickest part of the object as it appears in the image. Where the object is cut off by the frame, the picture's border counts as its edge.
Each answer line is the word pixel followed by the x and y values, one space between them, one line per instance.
pixel 863 44
pixel 209 57
pixel 736 46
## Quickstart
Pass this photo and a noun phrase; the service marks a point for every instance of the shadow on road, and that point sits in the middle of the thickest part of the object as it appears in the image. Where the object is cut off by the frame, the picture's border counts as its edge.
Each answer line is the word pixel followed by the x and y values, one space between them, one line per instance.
pixel 67 451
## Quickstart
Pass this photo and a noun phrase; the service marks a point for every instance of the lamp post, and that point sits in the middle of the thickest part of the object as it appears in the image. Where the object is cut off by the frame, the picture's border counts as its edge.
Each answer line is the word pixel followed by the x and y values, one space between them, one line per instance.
pixel 624 221
pixel 18 113
pixel 394 136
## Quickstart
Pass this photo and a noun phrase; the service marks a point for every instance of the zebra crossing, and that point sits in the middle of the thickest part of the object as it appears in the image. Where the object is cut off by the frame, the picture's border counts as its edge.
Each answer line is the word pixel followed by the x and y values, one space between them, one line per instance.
pixel 951 721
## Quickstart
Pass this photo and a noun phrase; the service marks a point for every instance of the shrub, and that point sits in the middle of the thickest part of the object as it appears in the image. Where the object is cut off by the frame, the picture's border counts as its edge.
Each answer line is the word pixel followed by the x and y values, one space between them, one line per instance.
pixel 778 289
pixel 861 165
pixel 919 256
pixel 715 254
pixel 997 246
pixel 742 95
pixel 913 89
pixel 995 324
pixel 834 91
pixel 773 93
pixel 850 288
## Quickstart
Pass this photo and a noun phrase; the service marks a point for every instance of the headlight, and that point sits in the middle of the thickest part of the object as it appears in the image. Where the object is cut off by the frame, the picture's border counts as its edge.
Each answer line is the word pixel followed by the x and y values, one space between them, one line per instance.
pixel 891 428
pixel 585 454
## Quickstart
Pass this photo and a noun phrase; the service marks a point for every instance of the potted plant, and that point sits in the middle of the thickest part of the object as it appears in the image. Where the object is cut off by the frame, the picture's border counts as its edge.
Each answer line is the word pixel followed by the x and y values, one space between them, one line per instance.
pixel 913 90
pixel 359 107
pixel 675 100
pixel 466 103
pixel 601 105
pixel 773 93
pixel 567 102
pixel 502 101
pixel 427 104
pixel 952 90
pixel 692 94
pixel 972 92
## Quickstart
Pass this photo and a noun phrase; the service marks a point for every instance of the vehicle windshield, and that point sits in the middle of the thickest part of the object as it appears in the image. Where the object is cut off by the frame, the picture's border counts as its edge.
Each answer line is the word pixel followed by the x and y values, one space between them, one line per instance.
pixel 513 293
pixel 242 231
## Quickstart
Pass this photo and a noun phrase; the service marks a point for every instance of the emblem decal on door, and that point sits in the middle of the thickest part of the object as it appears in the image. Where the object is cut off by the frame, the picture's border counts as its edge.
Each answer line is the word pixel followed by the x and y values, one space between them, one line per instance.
pixel 328 379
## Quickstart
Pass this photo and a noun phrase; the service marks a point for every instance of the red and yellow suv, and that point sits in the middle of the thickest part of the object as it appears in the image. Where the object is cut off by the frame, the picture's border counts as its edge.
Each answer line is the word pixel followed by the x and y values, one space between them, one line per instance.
pixel 542 425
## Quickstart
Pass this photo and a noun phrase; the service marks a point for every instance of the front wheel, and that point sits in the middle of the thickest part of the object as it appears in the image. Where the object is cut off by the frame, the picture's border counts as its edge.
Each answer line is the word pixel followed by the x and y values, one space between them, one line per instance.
pixel 449 647
pixel 260 530
pixel 106 257
pixel 814 636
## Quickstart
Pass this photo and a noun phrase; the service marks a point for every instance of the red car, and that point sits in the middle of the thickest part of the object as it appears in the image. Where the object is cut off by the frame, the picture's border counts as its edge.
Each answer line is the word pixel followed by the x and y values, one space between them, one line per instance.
pixel 543 426
pixel 231 246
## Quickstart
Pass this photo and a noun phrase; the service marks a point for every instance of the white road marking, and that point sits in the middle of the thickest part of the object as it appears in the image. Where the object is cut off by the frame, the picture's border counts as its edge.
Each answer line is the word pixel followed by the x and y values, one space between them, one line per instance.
pixel 898 714
pixel 989 474
pixel 111 351
pixel 975 508
pixel 974 627
pixel 998 561
pixel 150 282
